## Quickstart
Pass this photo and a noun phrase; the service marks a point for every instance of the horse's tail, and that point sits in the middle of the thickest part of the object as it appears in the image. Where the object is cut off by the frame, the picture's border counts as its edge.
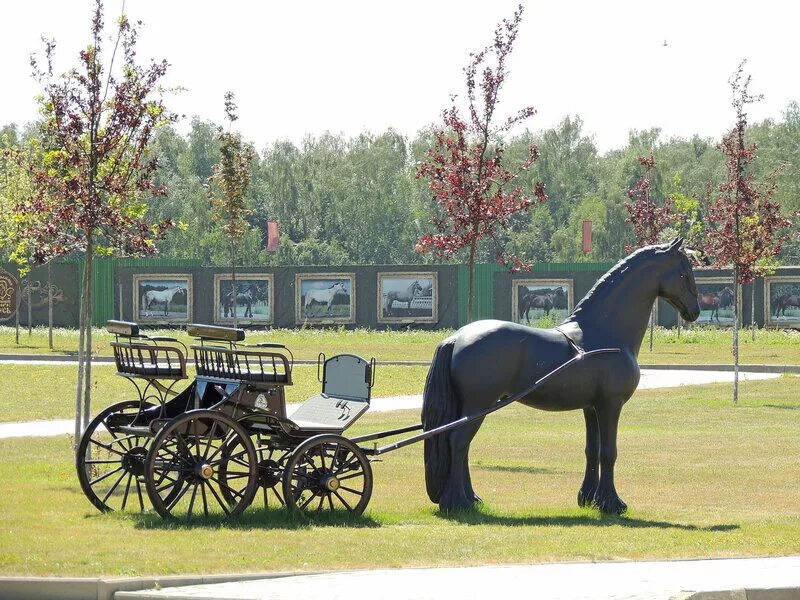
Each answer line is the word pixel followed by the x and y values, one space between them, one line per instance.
pixel 144 300
pixel 440 406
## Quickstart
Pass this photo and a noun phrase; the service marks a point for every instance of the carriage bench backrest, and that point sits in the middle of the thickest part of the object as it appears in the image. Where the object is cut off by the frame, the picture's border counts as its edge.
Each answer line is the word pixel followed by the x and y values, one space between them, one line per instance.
pixel 255 366
pixel 137 356
pixel 347 376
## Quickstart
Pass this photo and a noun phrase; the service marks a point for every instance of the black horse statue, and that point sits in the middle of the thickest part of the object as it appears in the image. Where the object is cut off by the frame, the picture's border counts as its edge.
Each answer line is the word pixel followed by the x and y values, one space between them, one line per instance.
pixel 488 360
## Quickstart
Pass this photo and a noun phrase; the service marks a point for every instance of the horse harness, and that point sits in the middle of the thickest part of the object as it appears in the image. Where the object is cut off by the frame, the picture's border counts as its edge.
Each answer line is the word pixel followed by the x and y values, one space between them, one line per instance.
pixel 573 344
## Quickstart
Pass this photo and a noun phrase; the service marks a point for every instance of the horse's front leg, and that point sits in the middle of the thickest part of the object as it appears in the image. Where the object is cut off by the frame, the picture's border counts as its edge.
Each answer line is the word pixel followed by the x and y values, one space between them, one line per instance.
pixel 591 478
pixel 606 497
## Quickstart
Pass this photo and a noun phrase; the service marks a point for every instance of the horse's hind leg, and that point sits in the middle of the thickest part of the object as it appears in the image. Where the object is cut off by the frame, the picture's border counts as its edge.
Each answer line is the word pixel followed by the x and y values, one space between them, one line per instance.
pixel 606 497
pixel 591 478
pixel 458 492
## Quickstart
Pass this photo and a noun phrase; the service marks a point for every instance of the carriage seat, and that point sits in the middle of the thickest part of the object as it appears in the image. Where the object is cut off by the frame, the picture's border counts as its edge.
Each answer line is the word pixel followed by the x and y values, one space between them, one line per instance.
pixel 137 355
pixel 326 414
pixel 246 365
pixel 347 382
pixel 215 332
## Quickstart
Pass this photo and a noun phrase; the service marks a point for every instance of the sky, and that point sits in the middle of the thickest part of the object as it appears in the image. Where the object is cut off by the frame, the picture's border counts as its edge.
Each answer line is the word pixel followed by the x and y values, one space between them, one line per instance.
pixel 350 66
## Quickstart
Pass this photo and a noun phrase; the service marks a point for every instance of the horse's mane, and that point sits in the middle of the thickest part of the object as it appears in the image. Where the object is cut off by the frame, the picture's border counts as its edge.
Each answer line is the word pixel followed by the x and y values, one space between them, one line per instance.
pixel 611 277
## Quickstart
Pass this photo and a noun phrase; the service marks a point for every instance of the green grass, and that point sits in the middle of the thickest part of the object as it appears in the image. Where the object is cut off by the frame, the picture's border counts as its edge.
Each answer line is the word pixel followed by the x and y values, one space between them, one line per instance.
pixel 703 479
pixel 35 391
pixel 701 345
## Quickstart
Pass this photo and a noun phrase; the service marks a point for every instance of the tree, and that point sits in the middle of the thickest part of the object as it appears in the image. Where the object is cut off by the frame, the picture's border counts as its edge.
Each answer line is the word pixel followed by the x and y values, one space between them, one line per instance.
pixel 231 176
pixel 94 178
pixel 745 220
pixel 464 169
pixel 648 219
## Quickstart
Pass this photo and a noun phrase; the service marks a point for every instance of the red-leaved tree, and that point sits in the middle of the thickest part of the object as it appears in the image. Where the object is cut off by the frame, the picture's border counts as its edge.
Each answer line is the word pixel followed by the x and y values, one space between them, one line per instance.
pixel 647 218
pixel 747 224
pixel 474 191
pixel 94 179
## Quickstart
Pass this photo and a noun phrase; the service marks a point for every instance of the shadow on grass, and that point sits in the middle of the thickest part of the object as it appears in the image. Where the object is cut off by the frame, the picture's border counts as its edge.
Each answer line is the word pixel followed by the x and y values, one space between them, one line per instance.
pixel 518 469
pixel 255 518
pixel 479 516
pixel 783 406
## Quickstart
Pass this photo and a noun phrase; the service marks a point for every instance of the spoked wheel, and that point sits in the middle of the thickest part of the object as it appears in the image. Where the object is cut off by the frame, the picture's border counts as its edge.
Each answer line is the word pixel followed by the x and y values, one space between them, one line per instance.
pixel 187 459
pixel 271 461
pixel 327 473
pixel 110 463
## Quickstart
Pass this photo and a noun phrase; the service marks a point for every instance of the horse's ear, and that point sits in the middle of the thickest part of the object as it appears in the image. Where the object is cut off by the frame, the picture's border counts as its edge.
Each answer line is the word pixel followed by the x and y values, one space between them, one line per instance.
pixel 675 244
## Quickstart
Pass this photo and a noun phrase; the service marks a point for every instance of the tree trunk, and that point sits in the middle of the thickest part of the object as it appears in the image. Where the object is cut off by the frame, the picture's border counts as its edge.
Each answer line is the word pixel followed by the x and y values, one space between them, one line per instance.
pixel 87 396
pixel 233 285
pixel 81 348
pixel 471 279
pixel 120 313
pixel 49 307
pixel 735 335
pixel 753 310
pixel 30 310
pixel 16 313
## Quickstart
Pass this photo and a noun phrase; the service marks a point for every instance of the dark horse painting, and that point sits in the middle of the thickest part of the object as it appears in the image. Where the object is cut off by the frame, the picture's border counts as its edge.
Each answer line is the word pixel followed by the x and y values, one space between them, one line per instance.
pixel 488 360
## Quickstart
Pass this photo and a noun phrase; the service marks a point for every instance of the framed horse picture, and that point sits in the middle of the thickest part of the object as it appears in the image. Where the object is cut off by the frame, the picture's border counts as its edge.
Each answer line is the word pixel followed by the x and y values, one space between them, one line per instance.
pixel 162 299
pixel 250 303
pixel 782 305
pixel 408 297
pixel 715 297
pixel 325 298
pixel 541 302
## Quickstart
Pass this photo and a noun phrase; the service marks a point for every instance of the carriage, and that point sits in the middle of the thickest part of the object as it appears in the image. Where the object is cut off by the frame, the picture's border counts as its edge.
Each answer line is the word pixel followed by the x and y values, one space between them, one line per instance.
pixel 212 447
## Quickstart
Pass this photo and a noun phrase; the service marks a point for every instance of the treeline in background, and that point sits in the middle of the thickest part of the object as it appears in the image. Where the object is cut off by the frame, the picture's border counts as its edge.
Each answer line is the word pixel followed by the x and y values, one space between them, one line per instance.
pixel 357 200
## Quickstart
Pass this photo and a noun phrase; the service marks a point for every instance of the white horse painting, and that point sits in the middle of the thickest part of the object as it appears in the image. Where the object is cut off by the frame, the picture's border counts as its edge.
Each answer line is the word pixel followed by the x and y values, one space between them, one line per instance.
pixel 322 296
pixel 151 297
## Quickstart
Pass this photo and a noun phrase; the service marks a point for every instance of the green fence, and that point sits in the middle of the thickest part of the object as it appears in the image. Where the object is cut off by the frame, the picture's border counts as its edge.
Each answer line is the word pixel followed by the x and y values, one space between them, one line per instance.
pixel 104 281
pixel 484 284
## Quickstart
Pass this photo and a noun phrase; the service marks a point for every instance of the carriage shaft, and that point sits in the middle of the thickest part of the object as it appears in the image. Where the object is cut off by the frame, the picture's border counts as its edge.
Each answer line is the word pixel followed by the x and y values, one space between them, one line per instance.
pixel 501 403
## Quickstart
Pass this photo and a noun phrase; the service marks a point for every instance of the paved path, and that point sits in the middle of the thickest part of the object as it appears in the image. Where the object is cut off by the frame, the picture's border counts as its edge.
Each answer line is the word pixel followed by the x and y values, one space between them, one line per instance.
pixel 652 580
pixel 651 378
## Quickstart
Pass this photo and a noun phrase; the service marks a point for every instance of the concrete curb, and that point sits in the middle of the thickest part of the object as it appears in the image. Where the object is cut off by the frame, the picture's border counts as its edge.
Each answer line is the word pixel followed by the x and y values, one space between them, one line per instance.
pixel 90 588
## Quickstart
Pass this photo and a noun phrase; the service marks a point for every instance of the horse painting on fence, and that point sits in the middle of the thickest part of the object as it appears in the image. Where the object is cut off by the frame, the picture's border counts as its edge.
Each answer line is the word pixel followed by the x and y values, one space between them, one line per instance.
pixel 250 304
pixel 162 298
pixel 782 308
pixel 325 298
pixel 715 297
pixel 407 297
pixel 537 300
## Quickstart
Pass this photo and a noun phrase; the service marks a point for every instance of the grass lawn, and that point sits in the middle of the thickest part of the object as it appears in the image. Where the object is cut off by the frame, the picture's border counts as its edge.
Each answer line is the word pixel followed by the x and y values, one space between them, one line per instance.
pixel 36 391
pixel 697 346
pixel 703 479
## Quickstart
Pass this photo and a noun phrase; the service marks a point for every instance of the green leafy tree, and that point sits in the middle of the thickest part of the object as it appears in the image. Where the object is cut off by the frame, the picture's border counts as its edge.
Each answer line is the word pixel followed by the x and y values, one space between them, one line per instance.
pixel 94 178
pixel 229 182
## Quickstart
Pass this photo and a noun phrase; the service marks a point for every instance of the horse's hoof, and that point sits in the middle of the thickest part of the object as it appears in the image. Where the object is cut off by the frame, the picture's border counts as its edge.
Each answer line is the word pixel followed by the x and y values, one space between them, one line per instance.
pixel 610 505
pixel 586 498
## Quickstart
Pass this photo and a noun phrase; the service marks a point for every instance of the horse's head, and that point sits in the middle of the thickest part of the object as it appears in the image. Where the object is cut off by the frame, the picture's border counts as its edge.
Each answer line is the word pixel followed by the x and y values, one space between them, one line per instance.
pixel 338 287
pixel 677 284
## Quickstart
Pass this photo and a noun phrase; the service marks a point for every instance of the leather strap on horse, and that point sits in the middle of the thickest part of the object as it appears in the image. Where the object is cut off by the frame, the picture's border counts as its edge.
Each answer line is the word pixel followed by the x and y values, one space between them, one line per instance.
pixel 578 349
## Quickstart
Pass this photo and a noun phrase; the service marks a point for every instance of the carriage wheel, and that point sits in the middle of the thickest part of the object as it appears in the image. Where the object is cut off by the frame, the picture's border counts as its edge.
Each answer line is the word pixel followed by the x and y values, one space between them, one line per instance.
pixel 271 462
pixel 184 466
pixel 110 464
pixel 327 473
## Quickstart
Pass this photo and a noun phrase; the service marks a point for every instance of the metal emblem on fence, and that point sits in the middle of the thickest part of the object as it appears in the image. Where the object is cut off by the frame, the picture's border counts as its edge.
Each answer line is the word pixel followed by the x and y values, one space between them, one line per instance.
pixel 8 295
